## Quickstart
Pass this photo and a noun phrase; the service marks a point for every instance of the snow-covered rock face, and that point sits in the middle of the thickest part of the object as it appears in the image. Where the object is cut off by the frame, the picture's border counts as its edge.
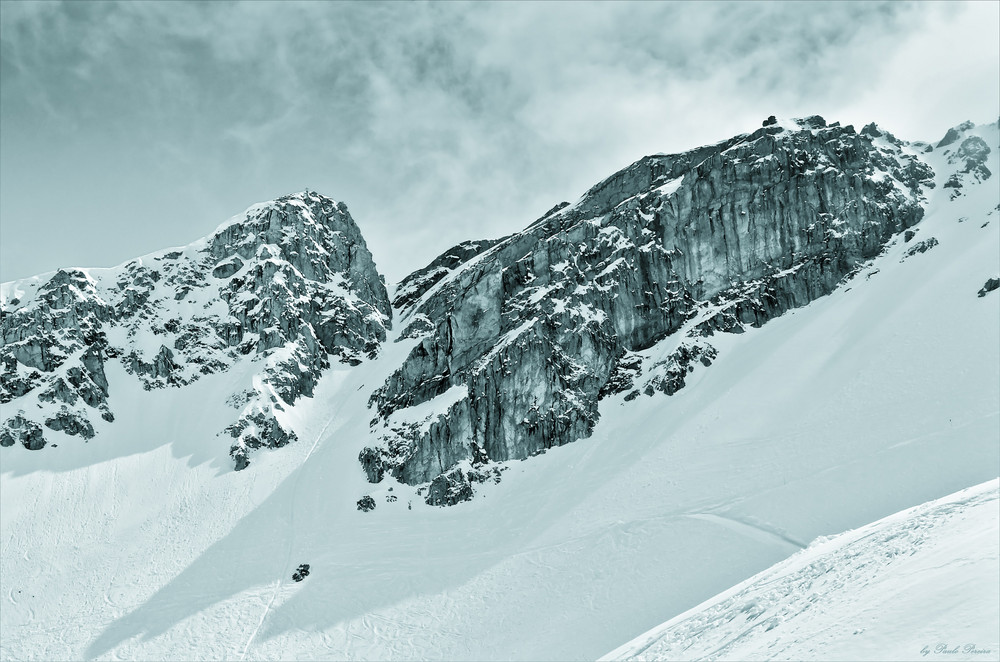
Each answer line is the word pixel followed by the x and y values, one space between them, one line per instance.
pixel 521 339
pixel 968 153
pixel 286 285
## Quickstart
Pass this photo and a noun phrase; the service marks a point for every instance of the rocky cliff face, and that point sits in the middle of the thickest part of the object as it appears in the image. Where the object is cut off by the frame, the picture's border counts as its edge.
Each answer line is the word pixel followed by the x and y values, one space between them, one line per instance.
pixel 520 339
pixel 514 341
pixel 287 285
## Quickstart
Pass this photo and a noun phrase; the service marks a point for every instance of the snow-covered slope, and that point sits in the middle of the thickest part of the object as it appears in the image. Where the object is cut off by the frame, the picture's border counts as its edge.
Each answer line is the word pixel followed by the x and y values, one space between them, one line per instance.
pixel 144 544
pixel 922 582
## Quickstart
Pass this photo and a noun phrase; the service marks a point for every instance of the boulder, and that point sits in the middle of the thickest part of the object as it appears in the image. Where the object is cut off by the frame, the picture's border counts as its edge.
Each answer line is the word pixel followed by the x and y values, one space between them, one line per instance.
pixel 991 285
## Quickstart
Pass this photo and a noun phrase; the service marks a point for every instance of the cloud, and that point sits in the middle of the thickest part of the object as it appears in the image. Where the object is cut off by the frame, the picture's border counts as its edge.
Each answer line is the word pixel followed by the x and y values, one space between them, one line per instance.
pixel 435 122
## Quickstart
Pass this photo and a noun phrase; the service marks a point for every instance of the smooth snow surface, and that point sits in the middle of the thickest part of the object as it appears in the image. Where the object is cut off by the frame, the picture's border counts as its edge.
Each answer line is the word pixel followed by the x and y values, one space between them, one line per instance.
pixel 923 582
pixel 144 544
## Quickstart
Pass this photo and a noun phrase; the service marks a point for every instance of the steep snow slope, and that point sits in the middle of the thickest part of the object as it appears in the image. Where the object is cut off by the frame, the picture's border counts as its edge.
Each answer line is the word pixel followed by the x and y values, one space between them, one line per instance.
pixel 876 398
pixel 922 582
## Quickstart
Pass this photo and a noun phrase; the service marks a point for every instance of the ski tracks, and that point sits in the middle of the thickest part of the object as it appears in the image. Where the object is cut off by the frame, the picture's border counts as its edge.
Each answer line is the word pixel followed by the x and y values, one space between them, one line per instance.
pixel 288 555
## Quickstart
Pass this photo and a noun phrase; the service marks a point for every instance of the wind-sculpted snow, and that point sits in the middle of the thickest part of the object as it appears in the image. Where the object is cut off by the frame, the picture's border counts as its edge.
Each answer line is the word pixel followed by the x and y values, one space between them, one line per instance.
pixel 542 325
pixel 287 285
pixel 918 582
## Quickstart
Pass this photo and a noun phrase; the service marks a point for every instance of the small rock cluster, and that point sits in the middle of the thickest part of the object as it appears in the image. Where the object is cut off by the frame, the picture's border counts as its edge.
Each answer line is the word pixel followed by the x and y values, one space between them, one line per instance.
pixel 301 572
pixel 919 247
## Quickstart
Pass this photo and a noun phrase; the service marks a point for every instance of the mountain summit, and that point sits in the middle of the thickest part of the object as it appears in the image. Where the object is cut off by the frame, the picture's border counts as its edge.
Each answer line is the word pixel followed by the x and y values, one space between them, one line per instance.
pixel 281 289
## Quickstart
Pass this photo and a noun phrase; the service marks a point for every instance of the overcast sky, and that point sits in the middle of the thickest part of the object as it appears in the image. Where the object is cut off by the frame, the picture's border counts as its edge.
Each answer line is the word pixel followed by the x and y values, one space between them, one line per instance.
pixel 126 128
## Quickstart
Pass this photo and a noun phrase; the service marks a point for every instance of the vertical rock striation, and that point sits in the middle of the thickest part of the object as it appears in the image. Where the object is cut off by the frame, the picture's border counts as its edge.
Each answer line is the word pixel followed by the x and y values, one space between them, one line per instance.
pixel 518 340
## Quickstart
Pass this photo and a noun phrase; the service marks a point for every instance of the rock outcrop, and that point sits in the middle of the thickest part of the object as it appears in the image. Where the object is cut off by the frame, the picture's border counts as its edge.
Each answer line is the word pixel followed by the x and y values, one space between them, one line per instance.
pixel 288 285
pixel 517 341
pixel 920 247
pixel 969 156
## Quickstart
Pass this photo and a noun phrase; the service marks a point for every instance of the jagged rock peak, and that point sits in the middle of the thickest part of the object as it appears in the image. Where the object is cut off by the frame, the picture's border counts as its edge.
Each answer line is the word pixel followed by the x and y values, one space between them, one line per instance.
pixel 968 154
pixel 314 233
pixel 954 133
pixel 286 285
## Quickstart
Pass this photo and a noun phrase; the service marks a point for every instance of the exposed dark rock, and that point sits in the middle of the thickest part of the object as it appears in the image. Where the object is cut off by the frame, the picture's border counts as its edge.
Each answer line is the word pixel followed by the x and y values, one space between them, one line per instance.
pixel 70 422
pixel 448 489
pixel 366 503
pixel 671 373
pixel 920 247
pixel 373 463
pixel 414 286
pixel 256 428
pixel 19 429
pixel 623 375
pixel 954 134
pixel 228 267
pixel 301 572
pixel 162 369
pixel 483 474
pixel 908 235
pixel 970 157
pixel 991 285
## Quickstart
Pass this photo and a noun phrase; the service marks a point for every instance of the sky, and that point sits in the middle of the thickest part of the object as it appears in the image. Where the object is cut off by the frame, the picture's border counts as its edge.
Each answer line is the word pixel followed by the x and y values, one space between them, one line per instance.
pixel 128 128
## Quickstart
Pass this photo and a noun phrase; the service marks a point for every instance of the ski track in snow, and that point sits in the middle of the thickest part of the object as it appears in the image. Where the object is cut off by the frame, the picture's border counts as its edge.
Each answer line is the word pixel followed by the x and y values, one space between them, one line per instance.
pixel 288 557
pixel 751 529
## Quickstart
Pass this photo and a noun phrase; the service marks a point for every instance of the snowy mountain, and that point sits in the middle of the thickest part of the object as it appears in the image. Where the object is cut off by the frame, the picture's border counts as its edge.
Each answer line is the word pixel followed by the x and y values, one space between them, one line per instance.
pixel 711 359
pixel 912 584
pixel 286 286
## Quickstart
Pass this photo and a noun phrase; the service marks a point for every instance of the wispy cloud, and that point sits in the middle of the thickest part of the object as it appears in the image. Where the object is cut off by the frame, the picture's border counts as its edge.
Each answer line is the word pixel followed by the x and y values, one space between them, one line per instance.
pixel 435 122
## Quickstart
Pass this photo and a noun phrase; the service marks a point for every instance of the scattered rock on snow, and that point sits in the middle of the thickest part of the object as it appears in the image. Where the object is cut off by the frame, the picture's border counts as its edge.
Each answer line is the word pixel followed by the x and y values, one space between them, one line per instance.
pixel 991 284
pixel 920 247
pixel 20 429
pixel 366 503
pixel 448 489
pixel 70 422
